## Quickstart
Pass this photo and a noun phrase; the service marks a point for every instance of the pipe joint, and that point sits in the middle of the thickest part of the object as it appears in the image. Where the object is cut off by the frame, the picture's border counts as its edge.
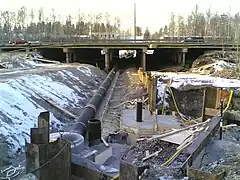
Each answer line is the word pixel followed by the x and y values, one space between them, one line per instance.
pixel 91 106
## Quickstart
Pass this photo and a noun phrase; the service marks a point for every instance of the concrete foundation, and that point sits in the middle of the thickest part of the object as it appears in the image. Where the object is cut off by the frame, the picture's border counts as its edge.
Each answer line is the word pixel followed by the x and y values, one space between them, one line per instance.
pixel 150 124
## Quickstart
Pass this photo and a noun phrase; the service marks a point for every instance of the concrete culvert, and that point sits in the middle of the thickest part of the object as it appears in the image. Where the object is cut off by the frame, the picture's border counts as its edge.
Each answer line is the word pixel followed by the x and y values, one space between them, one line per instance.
pixel 77 140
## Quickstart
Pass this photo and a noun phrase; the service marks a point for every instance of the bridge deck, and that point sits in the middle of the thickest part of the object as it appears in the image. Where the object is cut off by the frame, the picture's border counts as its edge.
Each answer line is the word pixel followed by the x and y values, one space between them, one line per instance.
pixel 122 44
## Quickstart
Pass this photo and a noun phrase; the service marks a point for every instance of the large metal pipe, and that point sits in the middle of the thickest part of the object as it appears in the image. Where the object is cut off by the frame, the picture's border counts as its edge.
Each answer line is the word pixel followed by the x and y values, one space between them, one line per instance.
pixel 90 109
pixel 139 112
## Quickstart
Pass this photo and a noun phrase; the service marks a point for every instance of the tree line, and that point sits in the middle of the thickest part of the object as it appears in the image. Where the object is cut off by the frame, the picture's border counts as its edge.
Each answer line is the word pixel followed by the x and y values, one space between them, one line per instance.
pixel 50 27
pixel 208 24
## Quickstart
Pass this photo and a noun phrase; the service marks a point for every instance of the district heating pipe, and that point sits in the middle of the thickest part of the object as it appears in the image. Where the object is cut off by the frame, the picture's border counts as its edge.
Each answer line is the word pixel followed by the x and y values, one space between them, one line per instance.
pixel 90 109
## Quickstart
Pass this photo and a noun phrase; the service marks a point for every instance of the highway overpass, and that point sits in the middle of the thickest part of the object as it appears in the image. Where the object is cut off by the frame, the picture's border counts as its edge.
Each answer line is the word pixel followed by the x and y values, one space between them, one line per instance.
pixel 90 51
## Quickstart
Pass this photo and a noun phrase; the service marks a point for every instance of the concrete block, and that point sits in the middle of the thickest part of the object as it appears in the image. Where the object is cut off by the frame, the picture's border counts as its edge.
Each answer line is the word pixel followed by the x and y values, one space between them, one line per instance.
pixel 104 156
pixel 165 122
pixel 150 124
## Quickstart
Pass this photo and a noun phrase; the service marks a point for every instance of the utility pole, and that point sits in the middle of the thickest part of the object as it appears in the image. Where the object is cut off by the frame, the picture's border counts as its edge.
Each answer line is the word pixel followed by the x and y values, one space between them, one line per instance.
pixel 238 58
pixel 223 29
pixel 135 21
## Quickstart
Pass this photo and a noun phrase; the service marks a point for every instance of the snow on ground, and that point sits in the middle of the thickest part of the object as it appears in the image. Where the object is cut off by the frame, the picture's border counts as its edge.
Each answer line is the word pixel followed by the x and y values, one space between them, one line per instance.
pixel 21 104
pixel 161 86
pixel 19 60
pixel 182 81
pixel 186 82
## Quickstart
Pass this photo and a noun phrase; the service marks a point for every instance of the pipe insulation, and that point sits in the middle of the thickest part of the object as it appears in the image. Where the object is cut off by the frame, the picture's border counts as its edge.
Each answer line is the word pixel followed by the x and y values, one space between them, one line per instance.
pixel 90 109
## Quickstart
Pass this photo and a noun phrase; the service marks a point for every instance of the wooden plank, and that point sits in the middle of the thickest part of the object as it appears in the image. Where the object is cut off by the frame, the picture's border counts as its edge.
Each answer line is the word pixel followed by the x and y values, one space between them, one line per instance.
pixel 204 105
pixel 177 131
pixel 39 135
pixel 43 158
pixel 58 107
pixel 218 99
pixel 154 94
pixel 59 168
pixel 211 112
pixel 202 139
pixel 32 154
pixel 48 160
pixel 43 119
pixel 177 138
pixel 150 94
pixel 148 156
pixel 211 95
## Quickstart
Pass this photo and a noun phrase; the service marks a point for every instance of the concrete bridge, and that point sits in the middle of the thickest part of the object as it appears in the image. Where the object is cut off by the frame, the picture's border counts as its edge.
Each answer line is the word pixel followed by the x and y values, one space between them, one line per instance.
pixel 90 52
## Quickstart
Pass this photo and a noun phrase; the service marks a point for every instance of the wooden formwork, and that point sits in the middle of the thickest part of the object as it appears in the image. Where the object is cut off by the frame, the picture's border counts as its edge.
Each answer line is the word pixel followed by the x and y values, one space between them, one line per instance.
pixel 150 83
pixel 47 160
pixel 212 100
pixel 191 152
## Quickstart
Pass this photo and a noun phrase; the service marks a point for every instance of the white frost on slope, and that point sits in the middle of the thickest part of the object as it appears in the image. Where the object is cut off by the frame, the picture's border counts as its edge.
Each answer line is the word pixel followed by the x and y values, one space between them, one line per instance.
pixel 86 70
pixel 18 112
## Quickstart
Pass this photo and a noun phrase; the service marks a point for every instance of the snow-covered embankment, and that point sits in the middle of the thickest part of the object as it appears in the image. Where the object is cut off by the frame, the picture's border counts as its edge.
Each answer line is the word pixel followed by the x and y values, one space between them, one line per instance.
pixel 70 88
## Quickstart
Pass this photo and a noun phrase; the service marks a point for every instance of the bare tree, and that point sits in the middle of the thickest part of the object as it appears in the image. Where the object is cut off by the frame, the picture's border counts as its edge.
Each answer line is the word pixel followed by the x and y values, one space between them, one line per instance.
pixel 208 18
pixel 172 25
pixel 22 15
pixel 181 26
pixel 146 34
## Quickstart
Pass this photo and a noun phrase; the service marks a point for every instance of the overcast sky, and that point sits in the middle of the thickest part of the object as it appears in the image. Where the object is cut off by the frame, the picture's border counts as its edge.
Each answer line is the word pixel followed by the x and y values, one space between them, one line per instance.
pixel 150 13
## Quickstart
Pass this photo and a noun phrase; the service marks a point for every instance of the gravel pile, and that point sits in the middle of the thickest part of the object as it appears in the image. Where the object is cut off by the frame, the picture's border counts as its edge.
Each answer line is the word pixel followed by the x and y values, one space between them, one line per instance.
pixel 228 73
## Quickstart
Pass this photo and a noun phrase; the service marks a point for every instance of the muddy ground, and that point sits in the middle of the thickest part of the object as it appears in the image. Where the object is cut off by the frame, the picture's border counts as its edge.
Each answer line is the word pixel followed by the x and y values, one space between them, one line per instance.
pixel 226 156
pixel 127 88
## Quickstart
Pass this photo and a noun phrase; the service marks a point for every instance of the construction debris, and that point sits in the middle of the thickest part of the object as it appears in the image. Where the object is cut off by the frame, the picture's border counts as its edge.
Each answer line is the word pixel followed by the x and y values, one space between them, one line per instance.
pixel 217 63
pixel 137 153
pixel 148 156
pixel 214 56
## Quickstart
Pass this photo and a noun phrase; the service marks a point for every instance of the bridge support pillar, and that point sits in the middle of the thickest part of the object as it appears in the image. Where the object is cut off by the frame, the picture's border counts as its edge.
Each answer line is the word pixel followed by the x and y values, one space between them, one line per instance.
pixel 74 56
pixel 27 50
pixel 184 51
pixel 108 59
pixel 144 59
pixel 175 57
pixel 68 55
pixel 179 58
